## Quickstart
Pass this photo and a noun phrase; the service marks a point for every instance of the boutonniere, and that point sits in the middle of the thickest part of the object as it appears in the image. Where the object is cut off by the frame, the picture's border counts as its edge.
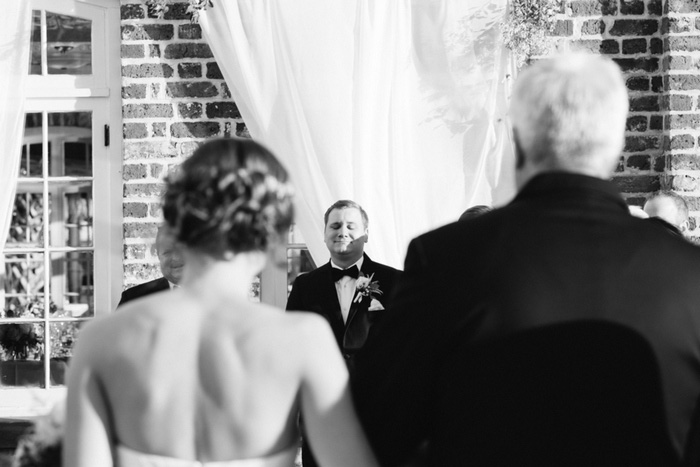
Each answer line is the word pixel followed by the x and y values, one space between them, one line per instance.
pixel 366 287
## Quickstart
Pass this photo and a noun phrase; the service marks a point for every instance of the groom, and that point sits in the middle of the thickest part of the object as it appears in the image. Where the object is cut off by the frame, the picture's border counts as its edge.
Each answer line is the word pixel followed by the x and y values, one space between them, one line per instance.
pixel 351 291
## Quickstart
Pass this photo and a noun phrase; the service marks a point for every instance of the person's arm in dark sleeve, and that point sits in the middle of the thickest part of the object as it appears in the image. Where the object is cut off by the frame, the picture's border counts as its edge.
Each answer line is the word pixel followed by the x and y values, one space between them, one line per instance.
pixel 393 372
pixel 294 301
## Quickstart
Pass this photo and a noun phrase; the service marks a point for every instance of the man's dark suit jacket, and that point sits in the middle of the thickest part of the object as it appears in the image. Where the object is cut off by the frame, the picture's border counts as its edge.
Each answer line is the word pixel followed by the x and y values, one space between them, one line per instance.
pixel 146 288
pixel 315 291
pixel 566 248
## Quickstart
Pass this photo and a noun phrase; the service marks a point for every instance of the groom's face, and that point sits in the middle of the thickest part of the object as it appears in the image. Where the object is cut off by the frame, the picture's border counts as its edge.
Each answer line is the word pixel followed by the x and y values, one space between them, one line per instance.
pixel 345 234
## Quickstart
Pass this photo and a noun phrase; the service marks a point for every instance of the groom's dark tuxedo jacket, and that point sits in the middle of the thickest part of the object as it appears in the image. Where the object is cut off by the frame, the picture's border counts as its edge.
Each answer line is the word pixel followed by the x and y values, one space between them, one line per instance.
pixel 566 248
pixel 315 291
pixel 141 290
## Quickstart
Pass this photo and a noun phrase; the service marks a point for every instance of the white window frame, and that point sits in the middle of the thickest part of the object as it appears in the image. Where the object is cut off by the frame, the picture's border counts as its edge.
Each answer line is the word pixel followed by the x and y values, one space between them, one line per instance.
pixel 99 93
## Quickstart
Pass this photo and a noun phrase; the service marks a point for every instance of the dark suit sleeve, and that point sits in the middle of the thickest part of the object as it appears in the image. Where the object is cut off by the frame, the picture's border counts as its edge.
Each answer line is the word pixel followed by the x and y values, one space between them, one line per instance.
pixel 294 301
pixel 395 370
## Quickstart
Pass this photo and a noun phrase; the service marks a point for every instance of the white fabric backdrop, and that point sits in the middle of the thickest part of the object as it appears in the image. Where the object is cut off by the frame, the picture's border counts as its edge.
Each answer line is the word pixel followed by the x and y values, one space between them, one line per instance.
pixel 398 105
pixel 14 66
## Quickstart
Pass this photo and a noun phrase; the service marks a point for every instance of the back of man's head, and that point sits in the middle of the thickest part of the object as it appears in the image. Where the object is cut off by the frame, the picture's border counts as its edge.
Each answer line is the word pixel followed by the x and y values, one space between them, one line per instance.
pixel 569 113
pixel 668 206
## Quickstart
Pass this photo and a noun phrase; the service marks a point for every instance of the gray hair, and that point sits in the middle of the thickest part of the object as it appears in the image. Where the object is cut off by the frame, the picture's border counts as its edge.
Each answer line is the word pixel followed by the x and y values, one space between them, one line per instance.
pixel 569 113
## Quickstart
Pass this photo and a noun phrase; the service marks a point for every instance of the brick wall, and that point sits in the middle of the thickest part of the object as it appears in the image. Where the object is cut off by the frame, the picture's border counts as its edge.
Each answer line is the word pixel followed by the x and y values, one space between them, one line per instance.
pixel 657 45
pixel 173 96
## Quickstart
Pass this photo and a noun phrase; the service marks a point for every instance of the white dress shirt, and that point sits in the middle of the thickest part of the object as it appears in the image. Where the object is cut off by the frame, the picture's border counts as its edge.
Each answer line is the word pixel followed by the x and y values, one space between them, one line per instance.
pixel 345 287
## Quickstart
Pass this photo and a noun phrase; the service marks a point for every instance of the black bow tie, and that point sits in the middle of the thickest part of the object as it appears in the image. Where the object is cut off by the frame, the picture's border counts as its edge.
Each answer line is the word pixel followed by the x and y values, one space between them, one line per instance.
pixel 340 273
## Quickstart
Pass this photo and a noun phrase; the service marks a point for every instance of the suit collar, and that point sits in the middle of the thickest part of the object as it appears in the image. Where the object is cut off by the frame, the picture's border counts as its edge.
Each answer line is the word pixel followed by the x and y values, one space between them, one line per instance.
pixel 554 185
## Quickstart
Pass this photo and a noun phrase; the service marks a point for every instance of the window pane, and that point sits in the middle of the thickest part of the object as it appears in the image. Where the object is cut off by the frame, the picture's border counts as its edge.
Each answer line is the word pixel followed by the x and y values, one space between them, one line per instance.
pixel 21 351
pixel 27 224
pixel 31 164
pixel 72 289
pixel 35 44
pixel 69 48
pixel 70 144
pixel 298 262
pixel 63 337
pixel 24 286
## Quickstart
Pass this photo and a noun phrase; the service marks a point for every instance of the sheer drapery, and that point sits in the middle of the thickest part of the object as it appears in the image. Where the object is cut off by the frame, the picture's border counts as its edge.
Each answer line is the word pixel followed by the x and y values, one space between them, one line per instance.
pixel 14 68
pixel 398 105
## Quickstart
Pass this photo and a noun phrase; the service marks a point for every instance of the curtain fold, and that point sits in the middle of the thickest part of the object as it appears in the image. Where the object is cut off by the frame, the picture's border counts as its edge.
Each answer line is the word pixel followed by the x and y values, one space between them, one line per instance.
pixel 400 106
pixel 14 68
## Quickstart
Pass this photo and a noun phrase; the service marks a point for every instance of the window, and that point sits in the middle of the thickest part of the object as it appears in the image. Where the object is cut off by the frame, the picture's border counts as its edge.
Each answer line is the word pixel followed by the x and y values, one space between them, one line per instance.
pixel 276 283
pixel 62 257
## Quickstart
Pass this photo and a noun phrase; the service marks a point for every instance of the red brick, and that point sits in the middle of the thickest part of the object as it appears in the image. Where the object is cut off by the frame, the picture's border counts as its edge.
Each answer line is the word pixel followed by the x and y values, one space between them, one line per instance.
pixel 154 50
pixel 593 26
pixel 147 70
pixel 134 91
pixel 638 83
pixel 680 142
pixel 637 123
pixel 634 46
pixel 656 122
pixel 639 162
pixel 641 143
pixel 188 50
pixel 132 51
pixel 147 110
pixel 158 129
pixel 222 110
pixel 594 7
pixel 684 43
pixel 655 8
pixel 648 64
pixel 134 171
pixel 189 31
pixel 637 183
pixel 563 28
pixel 194 129
pixel 189 109
pixel 135 130
pixel 683 82
pixel 644 104
pixel 191 89
pixel 659 163
pixel 683 6
pixel 683 122
pixel 213 71
pixel 153 32
pixel 132 11
pixel 143 190
pixel 631 7
pixel 137 251
pixel 634 27
pixel 135 209
pixel 678 62
pixel 189 70
pixel 684 183
pixel 148 150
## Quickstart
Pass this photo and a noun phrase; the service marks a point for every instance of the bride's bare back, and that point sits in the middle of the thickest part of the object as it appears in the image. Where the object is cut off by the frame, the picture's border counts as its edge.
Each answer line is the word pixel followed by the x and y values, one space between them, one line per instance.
pixel 216 384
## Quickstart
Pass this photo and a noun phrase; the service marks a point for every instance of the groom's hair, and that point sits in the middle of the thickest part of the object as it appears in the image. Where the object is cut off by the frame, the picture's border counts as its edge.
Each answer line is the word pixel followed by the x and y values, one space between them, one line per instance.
pixel 343 204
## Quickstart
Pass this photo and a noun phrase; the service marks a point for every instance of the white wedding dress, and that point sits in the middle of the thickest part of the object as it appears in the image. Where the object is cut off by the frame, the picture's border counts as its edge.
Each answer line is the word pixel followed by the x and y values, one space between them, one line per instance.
pixel 130 458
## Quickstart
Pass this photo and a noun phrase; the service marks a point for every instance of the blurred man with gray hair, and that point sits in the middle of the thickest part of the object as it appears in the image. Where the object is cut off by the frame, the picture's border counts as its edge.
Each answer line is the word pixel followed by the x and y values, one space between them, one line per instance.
pixel 565 249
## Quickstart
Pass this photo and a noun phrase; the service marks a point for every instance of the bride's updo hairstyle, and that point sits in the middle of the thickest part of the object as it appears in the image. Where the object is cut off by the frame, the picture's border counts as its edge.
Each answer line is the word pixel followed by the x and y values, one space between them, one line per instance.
pixel 231 195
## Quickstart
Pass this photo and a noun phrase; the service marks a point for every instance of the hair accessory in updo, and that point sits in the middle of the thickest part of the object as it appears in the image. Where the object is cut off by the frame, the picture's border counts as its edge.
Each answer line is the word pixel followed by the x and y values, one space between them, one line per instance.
pixel 231 195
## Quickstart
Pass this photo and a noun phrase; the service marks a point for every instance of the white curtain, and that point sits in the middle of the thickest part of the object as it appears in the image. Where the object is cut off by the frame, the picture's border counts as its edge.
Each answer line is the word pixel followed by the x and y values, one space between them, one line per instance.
pixel 14 66
pixel 398 105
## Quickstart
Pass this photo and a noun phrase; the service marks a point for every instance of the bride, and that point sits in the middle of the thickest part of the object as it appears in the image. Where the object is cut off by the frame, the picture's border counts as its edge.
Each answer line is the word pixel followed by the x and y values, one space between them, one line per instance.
pixel 199 375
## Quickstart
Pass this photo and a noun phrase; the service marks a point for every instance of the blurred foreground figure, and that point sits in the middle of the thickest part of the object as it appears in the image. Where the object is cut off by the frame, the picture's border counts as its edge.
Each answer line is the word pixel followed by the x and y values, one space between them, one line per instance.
pixel 201 374
pixel 565 249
